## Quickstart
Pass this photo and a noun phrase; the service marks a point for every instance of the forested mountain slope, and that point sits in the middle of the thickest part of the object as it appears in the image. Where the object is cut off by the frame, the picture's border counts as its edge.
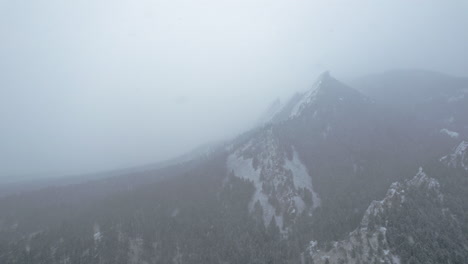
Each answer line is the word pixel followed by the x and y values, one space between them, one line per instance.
pixel 310 184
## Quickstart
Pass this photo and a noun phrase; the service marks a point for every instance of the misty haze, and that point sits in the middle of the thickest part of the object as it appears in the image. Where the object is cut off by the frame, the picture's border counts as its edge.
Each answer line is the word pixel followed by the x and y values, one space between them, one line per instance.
pixel 321 131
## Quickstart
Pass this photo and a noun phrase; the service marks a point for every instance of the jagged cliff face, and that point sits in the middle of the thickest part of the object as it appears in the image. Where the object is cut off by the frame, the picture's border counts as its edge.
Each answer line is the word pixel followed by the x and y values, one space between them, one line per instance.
pixel 459 158
pixel 313 178
pixel 283 186
pixel 326 96
pixel 369 242
pixel 273 157
pixel 320 146
pixel 401 227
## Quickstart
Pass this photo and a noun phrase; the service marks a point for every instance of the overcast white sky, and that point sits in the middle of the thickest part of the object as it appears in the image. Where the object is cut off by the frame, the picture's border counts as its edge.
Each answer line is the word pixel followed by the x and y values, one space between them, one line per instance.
pixel 89 85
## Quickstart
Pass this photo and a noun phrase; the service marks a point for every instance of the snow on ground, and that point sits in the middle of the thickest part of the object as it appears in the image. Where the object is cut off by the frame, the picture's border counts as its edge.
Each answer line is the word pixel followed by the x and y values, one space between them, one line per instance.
pixel 136 250
pixel 451 134
pixel 458 158
pixel 306 99
pixel 301 177
pixel 243 168
pixel 461 149
pixel 369 238
pixel 275 171
pixel 97 233
pixel 396 259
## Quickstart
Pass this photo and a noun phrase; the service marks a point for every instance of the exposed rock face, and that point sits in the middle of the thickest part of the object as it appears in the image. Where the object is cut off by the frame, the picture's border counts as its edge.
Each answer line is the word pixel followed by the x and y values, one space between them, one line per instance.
pixel 316 167
pixel 283 187
pixel 325 96
pixel 369 243
pixel 459 157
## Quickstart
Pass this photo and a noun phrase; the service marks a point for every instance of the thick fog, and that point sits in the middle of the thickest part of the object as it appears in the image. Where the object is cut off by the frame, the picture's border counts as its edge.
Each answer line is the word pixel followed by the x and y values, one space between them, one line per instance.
pixel 93 85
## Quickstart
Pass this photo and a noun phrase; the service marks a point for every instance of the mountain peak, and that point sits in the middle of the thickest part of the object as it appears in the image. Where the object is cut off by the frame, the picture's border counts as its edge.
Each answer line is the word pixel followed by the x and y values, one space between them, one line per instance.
pixel 324 75
pixel 326 91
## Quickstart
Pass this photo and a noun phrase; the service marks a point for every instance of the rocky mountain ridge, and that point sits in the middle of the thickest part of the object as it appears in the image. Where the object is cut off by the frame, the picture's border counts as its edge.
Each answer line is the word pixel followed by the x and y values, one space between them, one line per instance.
pixel 309 185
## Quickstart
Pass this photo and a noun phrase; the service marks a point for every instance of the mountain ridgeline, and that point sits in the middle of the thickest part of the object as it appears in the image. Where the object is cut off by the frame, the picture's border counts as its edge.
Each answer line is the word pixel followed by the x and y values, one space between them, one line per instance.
pixel 376 174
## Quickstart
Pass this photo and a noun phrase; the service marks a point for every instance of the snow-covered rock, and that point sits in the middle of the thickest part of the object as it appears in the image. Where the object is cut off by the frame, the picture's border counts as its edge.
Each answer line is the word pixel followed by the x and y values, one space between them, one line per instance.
pixel 97 236
pixel 326 95
pixel 449 133
pixel 309 96
pixel 459 157
pixel 368 243
pixel 283 187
